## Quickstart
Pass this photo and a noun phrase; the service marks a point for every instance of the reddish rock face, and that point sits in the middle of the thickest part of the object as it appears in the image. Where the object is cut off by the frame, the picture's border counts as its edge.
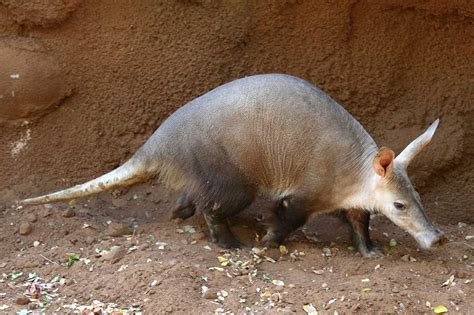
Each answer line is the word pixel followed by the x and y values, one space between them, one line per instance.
pixel 40 13
pixel 396 65
pixel 31 79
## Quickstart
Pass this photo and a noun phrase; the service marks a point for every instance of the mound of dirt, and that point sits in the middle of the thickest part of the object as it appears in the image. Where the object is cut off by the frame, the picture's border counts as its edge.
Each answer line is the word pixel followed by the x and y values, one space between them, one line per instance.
pixel 31 79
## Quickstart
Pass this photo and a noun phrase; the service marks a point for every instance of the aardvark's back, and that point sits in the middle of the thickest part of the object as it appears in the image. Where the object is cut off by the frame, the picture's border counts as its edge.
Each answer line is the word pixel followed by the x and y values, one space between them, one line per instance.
pixel 275 133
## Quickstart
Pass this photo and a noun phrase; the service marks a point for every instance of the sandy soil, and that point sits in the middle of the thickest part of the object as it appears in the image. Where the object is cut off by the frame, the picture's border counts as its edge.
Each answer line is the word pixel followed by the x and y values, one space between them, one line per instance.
pixel 159 265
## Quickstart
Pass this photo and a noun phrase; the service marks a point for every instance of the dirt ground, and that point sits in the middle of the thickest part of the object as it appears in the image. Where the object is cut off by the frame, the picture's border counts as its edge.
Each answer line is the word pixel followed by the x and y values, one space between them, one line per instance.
pixel 163 266
pixel 84 83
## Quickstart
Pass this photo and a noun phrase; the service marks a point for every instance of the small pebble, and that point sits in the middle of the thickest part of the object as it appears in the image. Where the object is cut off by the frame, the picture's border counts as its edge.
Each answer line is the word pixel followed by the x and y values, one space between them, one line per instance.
pixel 279 289
pixel 178 221
pixel 33 306
pixel 210 294
pixel 355 307
pixel 119 202
pixel 99 286
pixel 22 300
pixel 31 217
pixel 327 252
pixel 198 236
pixel 115 254
pixel 25 228
pixel 69 213
pixel 118 229
pixel 46 212
pixel 89 240
pixel 276 297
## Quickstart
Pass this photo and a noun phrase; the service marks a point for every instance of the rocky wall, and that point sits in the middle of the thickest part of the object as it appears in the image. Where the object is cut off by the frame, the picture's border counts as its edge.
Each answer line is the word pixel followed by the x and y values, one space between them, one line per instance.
pixel 92 80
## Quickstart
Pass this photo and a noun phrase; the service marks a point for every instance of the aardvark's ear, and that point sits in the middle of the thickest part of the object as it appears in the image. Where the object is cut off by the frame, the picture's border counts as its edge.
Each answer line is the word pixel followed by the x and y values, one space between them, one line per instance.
pixel 383 162
pixel 416 145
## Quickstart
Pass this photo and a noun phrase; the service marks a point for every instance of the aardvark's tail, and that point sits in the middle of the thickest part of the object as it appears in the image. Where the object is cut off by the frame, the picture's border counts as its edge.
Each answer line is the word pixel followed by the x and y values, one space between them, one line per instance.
pixel 127 174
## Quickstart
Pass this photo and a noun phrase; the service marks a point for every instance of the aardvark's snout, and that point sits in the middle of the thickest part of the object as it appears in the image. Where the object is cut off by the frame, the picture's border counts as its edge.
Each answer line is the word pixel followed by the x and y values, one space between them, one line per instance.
pixel 430 239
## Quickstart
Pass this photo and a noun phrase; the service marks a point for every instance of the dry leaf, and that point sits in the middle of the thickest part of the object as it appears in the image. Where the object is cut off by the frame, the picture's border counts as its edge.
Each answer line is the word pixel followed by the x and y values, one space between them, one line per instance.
pixel 310 309
pixel 331 301
pixel 449 281
pixel 270 259
pixel 189 229
pixel 440 309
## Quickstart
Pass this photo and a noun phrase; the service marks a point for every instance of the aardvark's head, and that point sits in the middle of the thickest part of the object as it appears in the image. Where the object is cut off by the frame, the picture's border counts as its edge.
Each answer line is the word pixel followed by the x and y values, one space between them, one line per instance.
pixel 396 197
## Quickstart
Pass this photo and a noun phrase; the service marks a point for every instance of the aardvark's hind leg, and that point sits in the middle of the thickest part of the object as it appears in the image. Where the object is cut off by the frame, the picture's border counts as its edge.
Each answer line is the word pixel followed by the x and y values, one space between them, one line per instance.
pixel 217 213
pixel 220 232
pixel 184 207
pixel 288 215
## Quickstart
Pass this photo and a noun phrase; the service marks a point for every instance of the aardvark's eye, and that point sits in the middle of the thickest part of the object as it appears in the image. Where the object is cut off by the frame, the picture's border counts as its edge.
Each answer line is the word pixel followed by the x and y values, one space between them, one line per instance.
pixel 399 205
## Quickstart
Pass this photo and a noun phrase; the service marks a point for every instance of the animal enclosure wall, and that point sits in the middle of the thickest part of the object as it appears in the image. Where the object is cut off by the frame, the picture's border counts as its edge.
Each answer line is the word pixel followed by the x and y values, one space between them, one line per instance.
pixel 84 83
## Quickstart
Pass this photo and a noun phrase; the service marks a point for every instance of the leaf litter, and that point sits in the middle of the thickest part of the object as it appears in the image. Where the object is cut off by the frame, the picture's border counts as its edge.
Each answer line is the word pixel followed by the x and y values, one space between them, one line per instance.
pixel 41 293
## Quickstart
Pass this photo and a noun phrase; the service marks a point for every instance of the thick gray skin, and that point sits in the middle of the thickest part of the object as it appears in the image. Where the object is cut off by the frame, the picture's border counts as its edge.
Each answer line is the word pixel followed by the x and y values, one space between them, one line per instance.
pixel 240 140
pixel 272 135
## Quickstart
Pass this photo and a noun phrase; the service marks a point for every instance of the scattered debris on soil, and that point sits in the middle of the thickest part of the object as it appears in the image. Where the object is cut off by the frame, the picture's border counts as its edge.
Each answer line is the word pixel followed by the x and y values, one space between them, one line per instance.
pixel 100 264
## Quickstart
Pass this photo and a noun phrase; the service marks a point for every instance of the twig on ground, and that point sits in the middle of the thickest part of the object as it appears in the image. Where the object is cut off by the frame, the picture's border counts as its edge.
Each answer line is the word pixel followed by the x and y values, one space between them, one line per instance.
pixel 46 258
